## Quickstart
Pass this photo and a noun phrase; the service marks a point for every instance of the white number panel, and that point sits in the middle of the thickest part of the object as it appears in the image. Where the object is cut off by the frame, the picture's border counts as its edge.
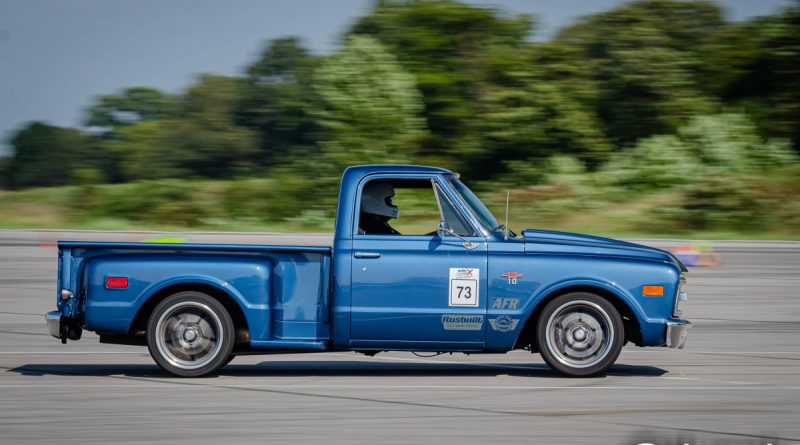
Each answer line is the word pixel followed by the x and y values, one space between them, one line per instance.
pixel 464 286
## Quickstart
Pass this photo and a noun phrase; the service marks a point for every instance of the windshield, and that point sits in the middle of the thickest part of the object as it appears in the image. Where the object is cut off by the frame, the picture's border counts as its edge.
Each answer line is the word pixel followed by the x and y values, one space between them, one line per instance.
pixel 484 215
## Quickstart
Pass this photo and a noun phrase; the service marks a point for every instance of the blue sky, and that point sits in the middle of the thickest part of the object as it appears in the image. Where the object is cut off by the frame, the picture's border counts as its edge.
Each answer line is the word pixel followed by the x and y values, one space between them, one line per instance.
pixel 55 55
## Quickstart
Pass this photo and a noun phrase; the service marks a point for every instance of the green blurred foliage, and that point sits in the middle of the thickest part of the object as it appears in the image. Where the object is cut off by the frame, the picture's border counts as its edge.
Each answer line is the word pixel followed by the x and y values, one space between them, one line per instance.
pixel 204 142
pixel 450 47
pixel 130 106
pixel 207 135
pixel 737 203
pixel 707 147
pixel 541 105
pixel 643 56
pixel 45 155
pixel 368 106
pixel 276 102
pixel 755 66
pixel 656 116
pixel 165 202
pixel 143 151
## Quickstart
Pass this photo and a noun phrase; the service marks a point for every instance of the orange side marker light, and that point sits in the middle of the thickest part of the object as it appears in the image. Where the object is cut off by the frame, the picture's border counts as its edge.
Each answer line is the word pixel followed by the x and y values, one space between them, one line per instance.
pixel 653 291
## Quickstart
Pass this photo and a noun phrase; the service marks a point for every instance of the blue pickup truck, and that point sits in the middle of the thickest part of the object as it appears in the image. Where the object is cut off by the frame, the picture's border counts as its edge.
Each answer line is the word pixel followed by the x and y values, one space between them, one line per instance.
pixel 461 282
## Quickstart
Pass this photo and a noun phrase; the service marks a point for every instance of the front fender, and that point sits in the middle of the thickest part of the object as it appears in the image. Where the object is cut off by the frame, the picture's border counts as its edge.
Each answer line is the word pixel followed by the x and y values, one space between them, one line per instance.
pixel 652 327
pixel 541 277
pixel 538 299
pixel 560 287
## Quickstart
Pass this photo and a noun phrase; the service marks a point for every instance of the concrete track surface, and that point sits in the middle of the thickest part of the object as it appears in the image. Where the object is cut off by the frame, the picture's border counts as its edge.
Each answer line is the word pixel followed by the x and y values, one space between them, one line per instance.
pixel 737 381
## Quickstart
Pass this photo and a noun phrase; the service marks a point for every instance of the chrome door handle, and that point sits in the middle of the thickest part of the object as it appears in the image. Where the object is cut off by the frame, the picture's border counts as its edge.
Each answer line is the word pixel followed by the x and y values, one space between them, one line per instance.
pixel 367 255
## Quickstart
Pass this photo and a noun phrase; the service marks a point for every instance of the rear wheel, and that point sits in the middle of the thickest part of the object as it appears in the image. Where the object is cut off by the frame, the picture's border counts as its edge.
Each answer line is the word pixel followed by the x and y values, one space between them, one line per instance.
pixel 580 334
pixel 190 334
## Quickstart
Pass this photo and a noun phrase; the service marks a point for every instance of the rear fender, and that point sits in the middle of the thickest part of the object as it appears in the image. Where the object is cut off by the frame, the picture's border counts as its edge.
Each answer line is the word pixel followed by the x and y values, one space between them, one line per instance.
pixel 245 280
pixel 157 292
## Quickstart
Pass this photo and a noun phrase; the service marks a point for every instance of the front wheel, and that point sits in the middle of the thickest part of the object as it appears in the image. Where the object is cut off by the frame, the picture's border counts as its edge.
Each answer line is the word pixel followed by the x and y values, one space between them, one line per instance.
pixel 580 334
pixel 190 334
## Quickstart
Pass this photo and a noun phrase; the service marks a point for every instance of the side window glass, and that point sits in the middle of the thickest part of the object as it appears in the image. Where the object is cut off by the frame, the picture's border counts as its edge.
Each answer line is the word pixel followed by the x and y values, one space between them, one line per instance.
pixel 451 216
pixel 398 207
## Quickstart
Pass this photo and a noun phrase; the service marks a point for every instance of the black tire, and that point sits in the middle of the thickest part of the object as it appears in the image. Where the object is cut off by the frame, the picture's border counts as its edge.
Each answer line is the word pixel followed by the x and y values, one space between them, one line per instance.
pixel 190 334
pixel 580 334
pixel 229 359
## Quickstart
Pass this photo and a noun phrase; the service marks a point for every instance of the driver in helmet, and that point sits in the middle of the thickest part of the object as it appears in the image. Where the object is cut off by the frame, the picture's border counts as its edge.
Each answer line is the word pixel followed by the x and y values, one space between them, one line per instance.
pixel 377 209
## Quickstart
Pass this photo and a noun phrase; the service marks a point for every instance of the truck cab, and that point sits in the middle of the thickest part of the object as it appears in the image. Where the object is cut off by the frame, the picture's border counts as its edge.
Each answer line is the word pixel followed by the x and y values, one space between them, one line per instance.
pixel 417 263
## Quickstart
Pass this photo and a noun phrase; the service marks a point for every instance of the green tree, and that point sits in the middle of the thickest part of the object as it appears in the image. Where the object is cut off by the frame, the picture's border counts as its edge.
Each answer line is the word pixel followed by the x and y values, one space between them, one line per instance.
pixel 276 100
pixel 541 105
pixel 368 105
pixel 644 56
pixel 5 165
pixel 211 142
pixel 755 66
pixel 369 110
pixel 46 155
pixel 144 150
pixel 201 139
pixel 448 46
pixel 130 106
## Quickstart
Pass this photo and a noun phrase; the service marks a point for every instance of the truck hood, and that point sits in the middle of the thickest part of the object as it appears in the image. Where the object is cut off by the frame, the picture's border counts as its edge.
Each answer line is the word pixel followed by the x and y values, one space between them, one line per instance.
pixel 549 241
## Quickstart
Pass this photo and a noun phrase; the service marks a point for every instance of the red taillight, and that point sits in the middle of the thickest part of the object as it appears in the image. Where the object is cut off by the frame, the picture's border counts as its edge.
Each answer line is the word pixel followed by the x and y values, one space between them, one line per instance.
pixel 116 282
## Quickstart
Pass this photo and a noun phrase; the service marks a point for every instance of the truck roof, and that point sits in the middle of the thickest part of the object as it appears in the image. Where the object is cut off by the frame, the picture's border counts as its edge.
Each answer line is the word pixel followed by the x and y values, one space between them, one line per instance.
pixel 361 170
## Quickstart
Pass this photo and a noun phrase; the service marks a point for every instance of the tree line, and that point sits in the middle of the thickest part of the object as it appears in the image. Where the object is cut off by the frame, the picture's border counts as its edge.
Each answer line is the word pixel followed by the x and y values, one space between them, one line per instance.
pixel 647 92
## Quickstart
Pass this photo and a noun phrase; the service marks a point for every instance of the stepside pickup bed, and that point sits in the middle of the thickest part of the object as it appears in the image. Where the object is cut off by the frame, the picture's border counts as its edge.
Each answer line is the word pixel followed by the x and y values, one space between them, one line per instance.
pixel 467 286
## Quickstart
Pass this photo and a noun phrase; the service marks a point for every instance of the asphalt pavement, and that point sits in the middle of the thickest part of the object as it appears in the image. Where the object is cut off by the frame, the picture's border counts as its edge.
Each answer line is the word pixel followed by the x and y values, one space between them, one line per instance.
pixel 737 381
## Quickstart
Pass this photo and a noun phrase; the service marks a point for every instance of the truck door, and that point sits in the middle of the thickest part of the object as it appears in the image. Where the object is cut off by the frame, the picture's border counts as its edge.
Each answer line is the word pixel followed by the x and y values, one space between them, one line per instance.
pixel 414 288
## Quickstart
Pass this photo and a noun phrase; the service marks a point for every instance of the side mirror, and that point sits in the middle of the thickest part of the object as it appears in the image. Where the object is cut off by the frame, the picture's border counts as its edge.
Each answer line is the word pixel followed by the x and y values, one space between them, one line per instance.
pixel 444 230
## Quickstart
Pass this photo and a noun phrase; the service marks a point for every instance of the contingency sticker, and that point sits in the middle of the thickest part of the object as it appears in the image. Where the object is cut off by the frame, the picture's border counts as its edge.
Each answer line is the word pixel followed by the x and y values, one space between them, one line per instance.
pixel 504 323
pixel 464 286
pixel 456 322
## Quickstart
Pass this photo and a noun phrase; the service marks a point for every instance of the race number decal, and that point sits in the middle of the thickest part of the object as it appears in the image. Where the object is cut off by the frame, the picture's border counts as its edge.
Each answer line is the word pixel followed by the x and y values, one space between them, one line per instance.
pixel 464 286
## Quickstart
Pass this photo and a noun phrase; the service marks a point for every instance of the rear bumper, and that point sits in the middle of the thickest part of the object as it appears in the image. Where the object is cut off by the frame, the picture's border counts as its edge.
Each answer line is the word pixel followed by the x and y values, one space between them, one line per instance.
pixel 54 324
pixel 62 327
pixel 677 333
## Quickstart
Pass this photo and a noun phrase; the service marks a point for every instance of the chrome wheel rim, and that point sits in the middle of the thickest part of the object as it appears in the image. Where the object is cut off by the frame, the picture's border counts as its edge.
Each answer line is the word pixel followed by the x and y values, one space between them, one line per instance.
pixel 189 335
pixel 579 334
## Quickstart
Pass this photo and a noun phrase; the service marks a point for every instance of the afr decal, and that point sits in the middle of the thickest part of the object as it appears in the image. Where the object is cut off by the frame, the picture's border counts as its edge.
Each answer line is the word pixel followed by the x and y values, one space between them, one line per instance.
pixel 504 303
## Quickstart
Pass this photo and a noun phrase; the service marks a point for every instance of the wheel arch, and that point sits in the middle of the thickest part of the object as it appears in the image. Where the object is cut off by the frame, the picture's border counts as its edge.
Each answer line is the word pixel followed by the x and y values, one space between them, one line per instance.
pixel 156 296
pixel 630 319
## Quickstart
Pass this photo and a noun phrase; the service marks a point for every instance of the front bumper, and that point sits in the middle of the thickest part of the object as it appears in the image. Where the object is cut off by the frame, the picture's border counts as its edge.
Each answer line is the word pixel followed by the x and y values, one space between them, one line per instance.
pixel 678 333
